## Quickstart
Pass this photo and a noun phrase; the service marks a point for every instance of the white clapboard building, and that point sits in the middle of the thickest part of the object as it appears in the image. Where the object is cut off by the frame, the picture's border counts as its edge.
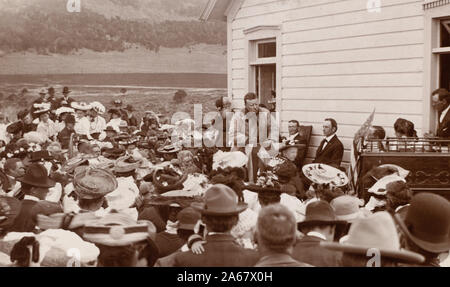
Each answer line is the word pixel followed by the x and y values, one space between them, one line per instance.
pixel 339 59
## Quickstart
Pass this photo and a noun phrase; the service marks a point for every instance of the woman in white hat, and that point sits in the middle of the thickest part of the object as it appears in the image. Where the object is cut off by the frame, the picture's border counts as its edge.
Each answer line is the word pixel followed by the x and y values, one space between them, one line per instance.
pixel 83 124
pixel 46 126
pixel 98 123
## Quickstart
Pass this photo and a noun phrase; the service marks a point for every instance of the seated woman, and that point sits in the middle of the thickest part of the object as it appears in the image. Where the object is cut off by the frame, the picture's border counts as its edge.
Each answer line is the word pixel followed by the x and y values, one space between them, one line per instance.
pixel 406 137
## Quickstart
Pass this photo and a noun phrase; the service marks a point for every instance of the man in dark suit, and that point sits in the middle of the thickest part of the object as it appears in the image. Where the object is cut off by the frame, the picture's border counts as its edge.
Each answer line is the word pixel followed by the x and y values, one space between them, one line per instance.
pixel 35 186
pixel 319 226
pixel 298 138
pixel 441 103
pixel 331 149
pixel 65 101
pixel 220 212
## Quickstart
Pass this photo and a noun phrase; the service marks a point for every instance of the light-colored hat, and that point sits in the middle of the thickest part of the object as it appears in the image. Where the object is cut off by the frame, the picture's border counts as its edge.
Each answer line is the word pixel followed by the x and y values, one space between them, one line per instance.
pixel 42 91
pixel 378 232
pixel 35 137
pixel 98 107
pixel 41 108
pixel 229 159
pixel 220 200
pixel 347 208
pixel 324 174
pixel 118 229
pixel 63 110
pixel 82 106
pixel 379 188
pixel 92 183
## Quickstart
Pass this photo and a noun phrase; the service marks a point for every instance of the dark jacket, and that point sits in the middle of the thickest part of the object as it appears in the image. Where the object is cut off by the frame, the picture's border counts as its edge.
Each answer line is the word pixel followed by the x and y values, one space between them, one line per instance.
pixel 221 250
pixel 64 137
pixel 308 250
pixel 26 220
pixel 168 243
pixel 61 102
pixel 301 154
pixel 444 127
pixel 332 153
pixel 280 260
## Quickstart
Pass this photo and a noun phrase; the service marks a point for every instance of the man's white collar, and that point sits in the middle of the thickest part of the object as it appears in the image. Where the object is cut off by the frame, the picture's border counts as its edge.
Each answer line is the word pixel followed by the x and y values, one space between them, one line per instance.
pixel 329 138
pixel 316 234
pixel 30 197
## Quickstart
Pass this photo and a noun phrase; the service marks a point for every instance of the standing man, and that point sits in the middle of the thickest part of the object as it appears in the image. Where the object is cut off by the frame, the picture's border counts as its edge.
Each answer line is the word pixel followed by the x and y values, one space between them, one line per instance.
pixel 319 226
pixel 220 213
pixel 245 132
pixel 296 137
pixel 440 100
pixel 65 101
pixel 331 149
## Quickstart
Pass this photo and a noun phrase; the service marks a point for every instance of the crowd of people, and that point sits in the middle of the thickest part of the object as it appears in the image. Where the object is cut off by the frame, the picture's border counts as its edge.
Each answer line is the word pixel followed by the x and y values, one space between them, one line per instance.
pixel 82 185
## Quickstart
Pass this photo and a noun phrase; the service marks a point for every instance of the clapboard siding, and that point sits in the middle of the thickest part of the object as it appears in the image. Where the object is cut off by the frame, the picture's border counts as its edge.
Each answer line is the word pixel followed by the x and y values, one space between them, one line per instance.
pixel 352 31
pixel 387 66
pixel 367 106
pixel 369 41
pixel 370 54
pixel 339 61
pixel 348 94
pixel 375 80
pixel 390 12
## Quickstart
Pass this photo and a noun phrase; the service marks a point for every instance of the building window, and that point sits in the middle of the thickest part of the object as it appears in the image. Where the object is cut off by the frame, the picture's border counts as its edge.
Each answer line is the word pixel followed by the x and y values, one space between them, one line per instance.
pixel 443 53
pixel 263 71
pixel 267 50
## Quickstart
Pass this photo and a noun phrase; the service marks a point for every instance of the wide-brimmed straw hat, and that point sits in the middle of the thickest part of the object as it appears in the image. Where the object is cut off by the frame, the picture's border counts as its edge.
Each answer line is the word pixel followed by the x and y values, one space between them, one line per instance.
pixel 70 165
pixel 319 213
pixel 378 232
pixel 92 183
pixel 127 164
pixel 427 222
pixel 220 200
pixel 82 106
pixel 118 229
pixel 36 175
pixel 322 174
pixel 169 149
pixel 64 110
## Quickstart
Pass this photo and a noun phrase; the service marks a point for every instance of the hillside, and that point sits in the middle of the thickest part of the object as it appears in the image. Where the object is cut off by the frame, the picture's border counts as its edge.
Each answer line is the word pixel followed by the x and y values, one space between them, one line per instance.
pixel 46 27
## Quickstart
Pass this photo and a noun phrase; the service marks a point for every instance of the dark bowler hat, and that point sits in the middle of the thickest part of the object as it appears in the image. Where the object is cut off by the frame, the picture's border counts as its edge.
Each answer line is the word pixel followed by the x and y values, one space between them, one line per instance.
pixel 36 175
pixel 319 213
pixel 427 222
pixel 220 200
pixel 66 90
pixel 51 90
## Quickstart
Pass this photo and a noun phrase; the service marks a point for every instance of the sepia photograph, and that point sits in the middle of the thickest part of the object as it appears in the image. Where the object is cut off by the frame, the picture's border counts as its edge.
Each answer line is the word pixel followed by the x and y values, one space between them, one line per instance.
pixel 224 133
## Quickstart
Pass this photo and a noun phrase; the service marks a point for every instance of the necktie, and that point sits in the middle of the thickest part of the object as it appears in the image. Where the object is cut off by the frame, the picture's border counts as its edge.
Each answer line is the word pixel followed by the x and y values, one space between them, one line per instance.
pixel 323 144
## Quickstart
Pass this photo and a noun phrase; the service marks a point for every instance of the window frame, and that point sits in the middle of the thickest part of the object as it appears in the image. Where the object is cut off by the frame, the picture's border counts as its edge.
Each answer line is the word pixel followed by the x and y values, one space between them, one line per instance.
pixel 254 36
pixel 431 71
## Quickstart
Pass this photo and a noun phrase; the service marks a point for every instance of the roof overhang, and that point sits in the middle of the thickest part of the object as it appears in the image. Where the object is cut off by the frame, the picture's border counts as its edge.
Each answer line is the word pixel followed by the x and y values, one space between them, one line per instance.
pixel 216 10
pixel 429 4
